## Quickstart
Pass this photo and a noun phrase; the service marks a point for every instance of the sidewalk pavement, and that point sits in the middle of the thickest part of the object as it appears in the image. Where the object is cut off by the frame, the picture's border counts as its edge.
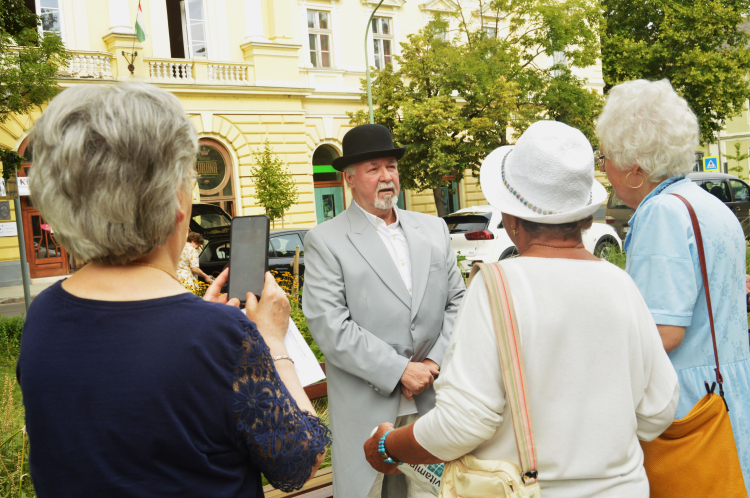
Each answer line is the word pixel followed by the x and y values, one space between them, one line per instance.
pixel 14 294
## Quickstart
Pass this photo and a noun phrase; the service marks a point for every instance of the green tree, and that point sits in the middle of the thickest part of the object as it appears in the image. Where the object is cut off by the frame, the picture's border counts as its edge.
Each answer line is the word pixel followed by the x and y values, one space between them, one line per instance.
pixel 696 44
pixel 454 96
pixel 29 64
pixel 275 188
pixel 738 170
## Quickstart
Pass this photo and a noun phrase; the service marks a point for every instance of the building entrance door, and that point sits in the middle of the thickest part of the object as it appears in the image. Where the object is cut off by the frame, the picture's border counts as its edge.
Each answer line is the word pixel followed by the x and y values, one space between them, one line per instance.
pixel 329 202
pixel 45 256
pixel 330 199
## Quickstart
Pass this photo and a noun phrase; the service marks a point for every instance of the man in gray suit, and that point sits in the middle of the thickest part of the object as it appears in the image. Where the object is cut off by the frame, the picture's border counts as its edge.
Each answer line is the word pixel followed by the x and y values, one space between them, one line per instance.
pixel 382 289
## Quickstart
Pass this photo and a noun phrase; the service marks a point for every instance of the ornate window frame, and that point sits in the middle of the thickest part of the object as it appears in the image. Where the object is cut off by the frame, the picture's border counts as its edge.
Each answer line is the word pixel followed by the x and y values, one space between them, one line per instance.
pixel 331 6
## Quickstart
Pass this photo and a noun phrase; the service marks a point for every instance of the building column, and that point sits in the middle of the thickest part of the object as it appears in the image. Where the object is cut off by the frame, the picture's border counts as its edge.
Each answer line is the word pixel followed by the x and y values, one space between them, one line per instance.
pixel 278 20
pixel 254 22
pixel 119 17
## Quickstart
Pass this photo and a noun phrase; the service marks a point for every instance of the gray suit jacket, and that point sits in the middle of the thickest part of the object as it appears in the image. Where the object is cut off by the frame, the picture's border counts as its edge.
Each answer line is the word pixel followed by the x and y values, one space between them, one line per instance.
pixel 362 317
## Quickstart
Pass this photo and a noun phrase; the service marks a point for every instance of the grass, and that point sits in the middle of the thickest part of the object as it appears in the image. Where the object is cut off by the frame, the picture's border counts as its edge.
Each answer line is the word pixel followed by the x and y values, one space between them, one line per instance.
pixel 613 254
pixel 15 480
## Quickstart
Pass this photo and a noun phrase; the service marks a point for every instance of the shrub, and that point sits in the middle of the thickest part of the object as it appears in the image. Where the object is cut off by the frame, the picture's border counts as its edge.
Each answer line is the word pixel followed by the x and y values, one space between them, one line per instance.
pixel 10 336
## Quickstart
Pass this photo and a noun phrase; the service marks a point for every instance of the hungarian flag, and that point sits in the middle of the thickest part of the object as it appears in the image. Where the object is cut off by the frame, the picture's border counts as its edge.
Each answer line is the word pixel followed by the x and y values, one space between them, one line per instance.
pixel 140 33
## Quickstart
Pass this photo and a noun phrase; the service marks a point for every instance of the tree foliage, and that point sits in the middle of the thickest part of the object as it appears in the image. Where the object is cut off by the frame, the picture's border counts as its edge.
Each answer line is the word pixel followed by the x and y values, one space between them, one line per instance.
pixel 28 67
pixel 696 44
pixel 275 188
pixel 738 156
pixel 28 62
pixel 455 95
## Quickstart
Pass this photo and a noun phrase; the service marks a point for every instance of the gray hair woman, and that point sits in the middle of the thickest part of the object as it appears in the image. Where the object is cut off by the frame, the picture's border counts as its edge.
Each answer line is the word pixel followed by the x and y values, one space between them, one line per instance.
pixel 648 139
pixel 132 385
pixel 597 376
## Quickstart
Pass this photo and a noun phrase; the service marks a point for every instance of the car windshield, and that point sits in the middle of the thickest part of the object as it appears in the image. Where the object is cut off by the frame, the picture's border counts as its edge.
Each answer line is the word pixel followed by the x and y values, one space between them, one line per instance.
pixel 463 223
pixel 212 220
pixel 615 202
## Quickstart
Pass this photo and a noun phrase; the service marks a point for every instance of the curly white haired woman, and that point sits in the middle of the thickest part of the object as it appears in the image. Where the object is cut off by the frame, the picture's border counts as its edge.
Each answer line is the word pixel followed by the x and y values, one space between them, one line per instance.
pixel 648 140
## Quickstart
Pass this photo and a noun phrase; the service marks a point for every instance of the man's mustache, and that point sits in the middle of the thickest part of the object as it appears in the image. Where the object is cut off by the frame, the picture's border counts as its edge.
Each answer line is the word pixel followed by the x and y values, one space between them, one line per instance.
pixel 385 186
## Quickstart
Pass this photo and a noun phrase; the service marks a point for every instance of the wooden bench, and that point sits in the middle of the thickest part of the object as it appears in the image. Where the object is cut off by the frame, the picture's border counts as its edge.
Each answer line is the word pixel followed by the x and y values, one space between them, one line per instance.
pixel 320 486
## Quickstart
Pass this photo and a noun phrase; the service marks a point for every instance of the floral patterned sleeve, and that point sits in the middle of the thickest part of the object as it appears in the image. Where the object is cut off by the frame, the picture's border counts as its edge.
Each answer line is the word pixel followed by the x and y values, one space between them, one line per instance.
pixel 194 263
pixel 282 440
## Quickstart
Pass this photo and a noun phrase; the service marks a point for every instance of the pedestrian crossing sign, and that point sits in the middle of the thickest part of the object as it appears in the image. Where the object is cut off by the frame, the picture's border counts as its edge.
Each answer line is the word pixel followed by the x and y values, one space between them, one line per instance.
pixel 710 164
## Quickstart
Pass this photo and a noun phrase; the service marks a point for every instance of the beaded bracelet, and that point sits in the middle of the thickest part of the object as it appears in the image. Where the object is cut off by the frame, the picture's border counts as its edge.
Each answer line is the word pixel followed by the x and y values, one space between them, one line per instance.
pixel 381 450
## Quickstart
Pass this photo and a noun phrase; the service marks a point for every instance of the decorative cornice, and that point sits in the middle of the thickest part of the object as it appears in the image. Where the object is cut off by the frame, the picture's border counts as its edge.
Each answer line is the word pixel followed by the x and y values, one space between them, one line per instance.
pixel 439 6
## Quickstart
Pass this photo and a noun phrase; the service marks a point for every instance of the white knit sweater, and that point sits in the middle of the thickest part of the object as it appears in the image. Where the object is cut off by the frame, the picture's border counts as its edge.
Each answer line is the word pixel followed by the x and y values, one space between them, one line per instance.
pixel 597 376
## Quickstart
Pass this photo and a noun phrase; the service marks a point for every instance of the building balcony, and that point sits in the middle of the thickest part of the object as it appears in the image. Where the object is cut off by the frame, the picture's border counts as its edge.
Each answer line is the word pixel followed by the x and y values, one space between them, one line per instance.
pixel 88 65
pixel 267 66
pixel 198 71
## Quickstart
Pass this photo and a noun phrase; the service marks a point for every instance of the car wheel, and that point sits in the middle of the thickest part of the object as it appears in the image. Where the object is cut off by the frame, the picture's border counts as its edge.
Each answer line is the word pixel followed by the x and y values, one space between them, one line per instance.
pixel 605 246
pixel 509 253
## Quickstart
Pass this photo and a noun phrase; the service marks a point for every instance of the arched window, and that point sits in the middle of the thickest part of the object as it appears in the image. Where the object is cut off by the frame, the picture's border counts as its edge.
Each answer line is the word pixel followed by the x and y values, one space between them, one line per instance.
pixel 329 184
pixel 215 175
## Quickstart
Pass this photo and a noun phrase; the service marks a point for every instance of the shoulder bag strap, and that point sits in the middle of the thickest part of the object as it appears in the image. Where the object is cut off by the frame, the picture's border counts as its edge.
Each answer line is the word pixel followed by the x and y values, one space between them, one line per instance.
pixel 704 271
pixel 511 364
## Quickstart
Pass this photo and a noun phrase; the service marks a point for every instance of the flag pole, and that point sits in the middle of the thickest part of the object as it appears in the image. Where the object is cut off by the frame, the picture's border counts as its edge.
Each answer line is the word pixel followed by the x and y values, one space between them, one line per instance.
pixel 130 56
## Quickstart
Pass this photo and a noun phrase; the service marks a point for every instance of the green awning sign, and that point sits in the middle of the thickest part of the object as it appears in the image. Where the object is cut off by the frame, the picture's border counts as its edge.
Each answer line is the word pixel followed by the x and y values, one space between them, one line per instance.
pixel 324 169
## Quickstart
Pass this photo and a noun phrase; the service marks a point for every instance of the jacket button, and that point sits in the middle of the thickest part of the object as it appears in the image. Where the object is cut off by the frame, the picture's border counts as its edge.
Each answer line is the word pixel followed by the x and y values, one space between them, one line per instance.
pixel 413 327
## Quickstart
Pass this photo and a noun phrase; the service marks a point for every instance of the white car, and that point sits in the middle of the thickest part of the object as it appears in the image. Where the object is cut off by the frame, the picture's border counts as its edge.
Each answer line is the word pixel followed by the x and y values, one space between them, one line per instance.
pixel 478 235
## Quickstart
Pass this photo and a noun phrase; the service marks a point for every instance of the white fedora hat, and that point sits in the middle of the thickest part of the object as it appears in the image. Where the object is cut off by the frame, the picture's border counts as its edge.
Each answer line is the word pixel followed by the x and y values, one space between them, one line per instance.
pixel 547 177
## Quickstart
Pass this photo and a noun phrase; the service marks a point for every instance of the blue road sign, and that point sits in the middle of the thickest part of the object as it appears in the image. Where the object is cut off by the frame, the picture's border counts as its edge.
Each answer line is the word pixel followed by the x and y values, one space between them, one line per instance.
pixel 710 163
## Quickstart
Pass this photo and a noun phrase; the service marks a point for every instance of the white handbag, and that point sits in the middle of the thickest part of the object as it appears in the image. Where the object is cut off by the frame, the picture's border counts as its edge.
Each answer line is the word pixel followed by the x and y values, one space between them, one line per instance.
pixel 470 477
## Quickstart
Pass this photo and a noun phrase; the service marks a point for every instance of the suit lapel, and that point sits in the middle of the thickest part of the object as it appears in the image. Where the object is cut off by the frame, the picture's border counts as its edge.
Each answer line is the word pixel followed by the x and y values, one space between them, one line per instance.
pixel 420 251
pixel 367 241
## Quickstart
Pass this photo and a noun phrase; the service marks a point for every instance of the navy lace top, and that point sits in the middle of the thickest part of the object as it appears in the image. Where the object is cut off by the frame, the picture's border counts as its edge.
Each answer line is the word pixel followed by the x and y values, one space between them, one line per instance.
pixel 165 397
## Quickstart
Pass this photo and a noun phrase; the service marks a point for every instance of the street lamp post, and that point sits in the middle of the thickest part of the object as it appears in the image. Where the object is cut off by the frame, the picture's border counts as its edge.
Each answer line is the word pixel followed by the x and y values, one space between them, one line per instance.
pixel 367 62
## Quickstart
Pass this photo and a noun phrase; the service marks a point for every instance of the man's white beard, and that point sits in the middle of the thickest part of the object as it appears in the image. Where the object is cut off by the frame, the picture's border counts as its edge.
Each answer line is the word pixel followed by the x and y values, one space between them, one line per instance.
pixel 389 201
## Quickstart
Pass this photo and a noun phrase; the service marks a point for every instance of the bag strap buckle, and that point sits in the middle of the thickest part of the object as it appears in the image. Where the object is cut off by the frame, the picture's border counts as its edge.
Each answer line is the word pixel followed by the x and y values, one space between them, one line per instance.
pixel 530 477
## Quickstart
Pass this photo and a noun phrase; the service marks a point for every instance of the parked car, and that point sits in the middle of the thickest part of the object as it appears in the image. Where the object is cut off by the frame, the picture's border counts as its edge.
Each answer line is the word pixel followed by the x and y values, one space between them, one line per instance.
pixel 729 189
pixel 210 221
pixel 478 235
pixel 215 255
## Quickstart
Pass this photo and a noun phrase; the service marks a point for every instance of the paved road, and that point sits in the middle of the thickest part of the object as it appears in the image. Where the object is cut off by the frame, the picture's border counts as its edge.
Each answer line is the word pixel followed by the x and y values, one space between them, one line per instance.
pixel 13 309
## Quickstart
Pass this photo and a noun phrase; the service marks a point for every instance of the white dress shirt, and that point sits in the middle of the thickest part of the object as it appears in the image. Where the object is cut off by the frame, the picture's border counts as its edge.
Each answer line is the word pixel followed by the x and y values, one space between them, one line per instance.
pixel 597 376
pixel 395 241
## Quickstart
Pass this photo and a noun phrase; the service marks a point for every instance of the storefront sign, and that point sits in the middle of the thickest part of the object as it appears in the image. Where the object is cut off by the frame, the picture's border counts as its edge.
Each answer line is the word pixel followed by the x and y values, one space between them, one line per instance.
pixel 213 173
pixel 23 185
pixel 8 230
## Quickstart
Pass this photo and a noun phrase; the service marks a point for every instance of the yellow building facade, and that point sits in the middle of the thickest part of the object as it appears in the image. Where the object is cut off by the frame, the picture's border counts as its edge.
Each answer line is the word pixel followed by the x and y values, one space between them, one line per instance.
pixel 246 71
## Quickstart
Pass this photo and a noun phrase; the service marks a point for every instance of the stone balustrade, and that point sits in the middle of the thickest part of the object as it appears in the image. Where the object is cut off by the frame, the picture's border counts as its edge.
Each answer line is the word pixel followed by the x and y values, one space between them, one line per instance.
pixel 178 72
pixel 233 74
pixel 88 65
pixel 198 71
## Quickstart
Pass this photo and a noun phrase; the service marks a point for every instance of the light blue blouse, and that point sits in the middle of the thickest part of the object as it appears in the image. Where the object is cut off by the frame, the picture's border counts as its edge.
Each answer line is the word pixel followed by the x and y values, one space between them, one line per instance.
pixel 663 262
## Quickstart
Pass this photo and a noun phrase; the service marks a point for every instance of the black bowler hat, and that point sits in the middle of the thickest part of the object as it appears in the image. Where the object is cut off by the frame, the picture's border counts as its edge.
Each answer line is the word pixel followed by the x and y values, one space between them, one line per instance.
pixel 368 141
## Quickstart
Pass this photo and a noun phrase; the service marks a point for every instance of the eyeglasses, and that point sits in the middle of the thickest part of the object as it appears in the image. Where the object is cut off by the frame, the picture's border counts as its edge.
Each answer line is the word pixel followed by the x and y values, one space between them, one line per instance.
pixel 599 159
